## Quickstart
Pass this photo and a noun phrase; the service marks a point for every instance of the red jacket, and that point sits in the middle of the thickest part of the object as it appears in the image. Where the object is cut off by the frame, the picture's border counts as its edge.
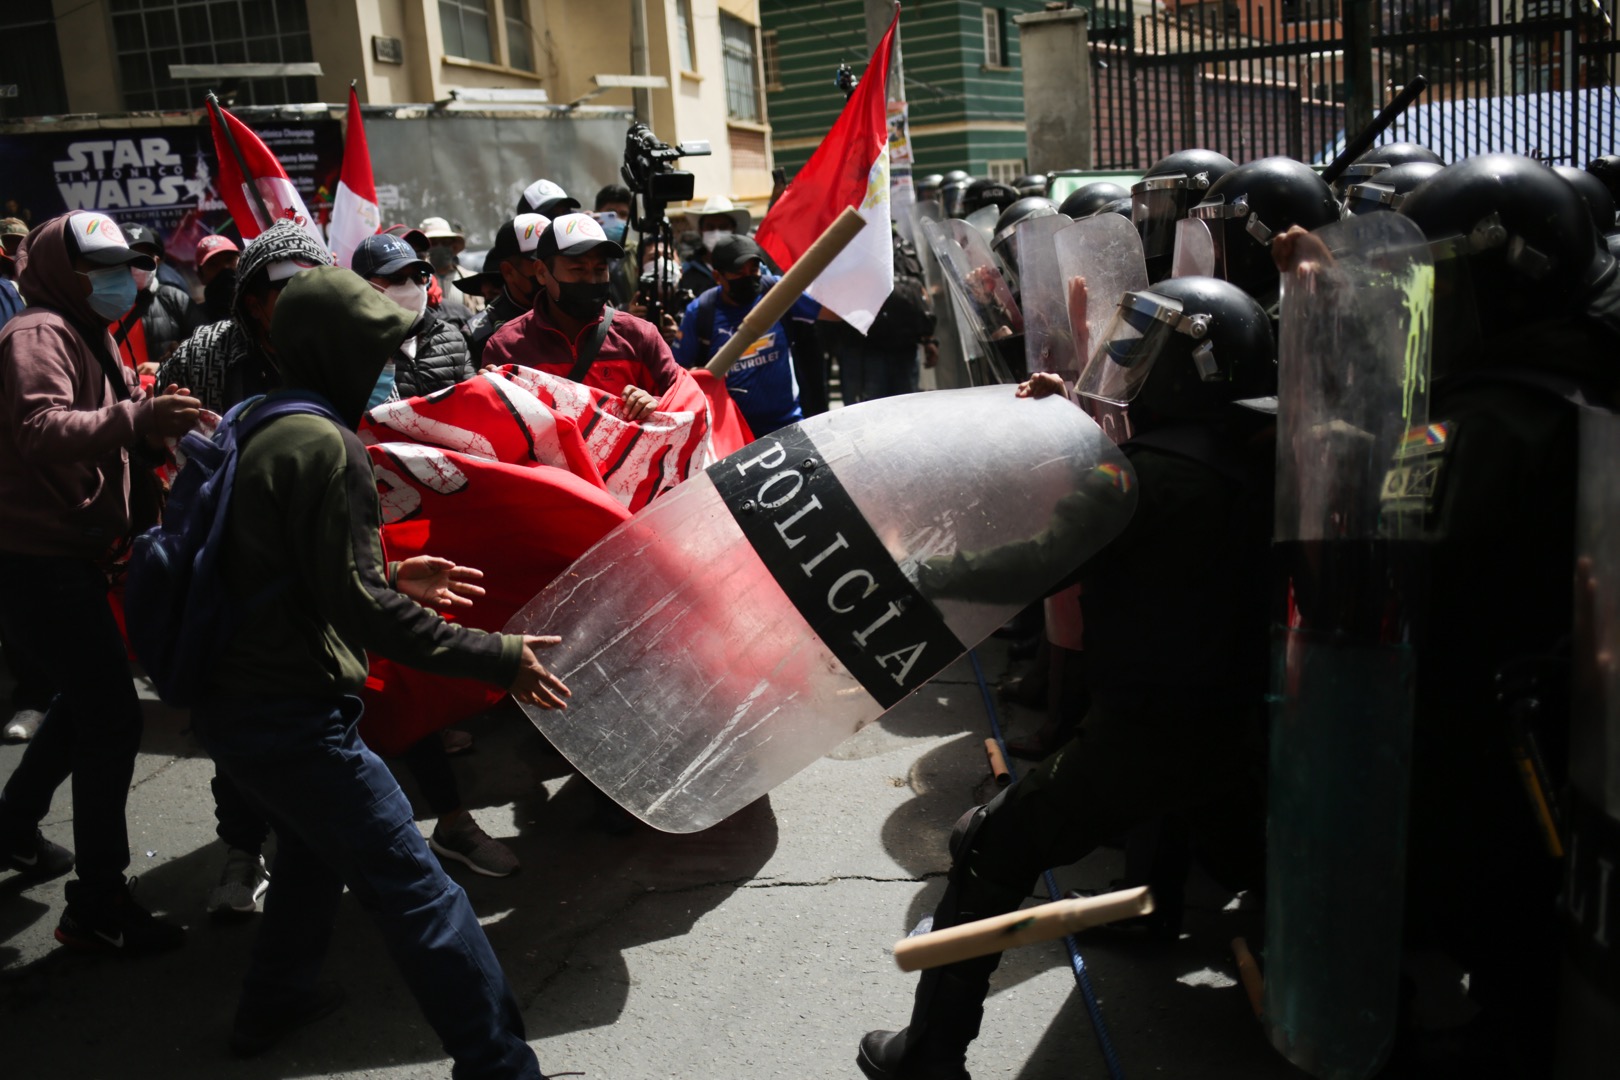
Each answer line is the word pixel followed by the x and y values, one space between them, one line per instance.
pixel 633 354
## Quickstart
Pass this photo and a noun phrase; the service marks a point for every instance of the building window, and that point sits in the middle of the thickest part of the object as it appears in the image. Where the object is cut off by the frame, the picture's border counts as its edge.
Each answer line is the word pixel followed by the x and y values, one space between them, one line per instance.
pixel 742 69
pixel 33 60
pixel 150 35
pixel 1295 11
pixel 465 25
pixel 770 53
pixel 519 38
pixel 995 53
pixel 1005 171
pixel 683 33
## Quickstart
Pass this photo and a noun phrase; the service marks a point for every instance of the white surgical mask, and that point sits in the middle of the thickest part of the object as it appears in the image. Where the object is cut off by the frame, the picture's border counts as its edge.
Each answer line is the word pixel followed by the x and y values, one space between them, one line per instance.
pixel 407 294
pixel 145 280
pixel 714 236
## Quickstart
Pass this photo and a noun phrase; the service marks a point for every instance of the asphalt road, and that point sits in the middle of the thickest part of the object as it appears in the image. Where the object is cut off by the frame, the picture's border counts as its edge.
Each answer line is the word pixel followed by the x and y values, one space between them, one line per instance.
pixel 759 948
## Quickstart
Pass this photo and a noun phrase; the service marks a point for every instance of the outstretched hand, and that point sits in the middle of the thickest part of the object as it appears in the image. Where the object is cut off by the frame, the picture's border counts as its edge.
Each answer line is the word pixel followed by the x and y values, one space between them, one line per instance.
pixel 439 583
pixel 534 684
pixel 1042 384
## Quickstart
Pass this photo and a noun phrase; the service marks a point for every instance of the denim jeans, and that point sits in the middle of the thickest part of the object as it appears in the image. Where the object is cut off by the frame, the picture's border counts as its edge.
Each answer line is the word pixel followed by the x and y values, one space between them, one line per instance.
pixel 340 819
pixel 92 729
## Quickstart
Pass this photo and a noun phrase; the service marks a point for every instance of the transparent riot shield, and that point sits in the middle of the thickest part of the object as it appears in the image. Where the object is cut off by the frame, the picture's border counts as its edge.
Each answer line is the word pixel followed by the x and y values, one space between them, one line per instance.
pixel 983 220
pixel 1589 991
pixel 1048 338
pixel 990 315
pixel 1100 260
pixel 951 370
pixel 1355 466
pixel 743 625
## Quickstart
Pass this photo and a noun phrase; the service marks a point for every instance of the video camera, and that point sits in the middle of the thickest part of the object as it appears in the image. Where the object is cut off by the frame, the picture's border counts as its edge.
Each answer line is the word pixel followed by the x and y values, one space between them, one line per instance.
pixel 650 174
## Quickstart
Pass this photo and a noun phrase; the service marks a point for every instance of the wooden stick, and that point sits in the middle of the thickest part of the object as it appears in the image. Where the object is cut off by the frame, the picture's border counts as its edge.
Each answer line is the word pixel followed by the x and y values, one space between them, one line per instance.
pixel 774 304
pixel 1002 932
pixel 1254 984
pixel 998 764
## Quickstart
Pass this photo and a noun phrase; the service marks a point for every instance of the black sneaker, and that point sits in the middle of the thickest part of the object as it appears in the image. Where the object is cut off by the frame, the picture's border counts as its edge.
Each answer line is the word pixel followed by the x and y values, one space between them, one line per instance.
pixel 257 1029
pixel 114 922
pixel 36 857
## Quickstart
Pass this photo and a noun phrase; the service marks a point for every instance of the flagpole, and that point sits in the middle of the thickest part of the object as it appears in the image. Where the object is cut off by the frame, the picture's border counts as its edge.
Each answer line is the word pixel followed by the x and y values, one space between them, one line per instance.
pixel 800 276
pixel 248 181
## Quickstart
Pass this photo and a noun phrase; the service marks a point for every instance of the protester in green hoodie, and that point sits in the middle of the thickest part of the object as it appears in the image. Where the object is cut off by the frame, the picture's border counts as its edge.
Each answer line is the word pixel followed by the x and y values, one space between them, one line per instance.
pixel 301 544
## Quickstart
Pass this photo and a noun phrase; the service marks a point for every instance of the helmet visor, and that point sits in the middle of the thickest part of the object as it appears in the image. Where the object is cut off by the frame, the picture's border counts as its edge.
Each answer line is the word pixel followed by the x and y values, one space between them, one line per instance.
pixel 1195 250
pixel 1157 204
pixel 1143 326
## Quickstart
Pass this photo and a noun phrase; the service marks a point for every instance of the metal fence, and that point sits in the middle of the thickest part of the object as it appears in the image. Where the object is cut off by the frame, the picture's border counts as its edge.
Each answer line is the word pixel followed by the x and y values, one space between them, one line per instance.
pixel 1251 78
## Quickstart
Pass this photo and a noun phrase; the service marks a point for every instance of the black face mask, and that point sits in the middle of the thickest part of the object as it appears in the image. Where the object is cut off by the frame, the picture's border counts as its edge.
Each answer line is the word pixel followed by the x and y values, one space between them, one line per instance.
pixel 582 300
pixel 217 293
pixel 744 289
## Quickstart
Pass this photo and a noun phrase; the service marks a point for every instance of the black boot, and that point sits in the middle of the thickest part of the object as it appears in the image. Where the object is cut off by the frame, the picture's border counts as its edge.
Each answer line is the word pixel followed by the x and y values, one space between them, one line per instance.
pixel 944 1020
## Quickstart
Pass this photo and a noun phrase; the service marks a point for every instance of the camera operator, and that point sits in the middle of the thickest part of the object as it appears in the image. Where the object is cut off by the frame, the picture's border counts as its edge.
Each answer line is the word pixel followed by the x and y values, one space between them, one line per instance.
pixel 573 332
pixel 654 183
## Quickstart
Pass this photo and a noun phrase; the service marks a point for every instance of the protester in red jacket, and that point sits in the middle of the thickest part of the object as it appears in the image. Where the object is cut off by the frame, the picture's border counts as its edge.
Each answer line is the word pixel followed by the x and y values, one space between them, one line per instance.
pixel 631 358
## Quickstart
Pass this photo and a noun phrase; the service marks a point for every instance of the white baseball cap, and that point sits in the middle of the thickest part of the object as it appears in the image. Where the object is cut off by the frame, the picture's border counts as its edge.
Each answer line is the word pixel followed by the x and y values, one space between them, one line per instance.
pixel 546 197
pixel 99 239
pixel 528 228
pixel 576 234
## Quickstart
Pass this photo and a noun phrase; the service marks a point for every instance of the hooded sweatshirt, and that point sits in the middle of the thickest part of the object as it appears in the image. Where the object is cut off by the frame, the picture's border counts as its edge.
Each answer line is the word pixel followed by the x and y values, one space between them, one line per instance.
pixel 221 364
pixel 304 523
pixel 64 435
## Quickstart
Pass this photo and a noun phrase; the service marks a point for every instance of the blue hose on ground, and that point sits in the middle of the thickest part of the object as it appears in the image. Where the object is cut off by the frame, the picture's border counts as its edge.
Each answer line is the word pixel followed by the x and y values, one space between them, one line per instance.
pixel 1076 961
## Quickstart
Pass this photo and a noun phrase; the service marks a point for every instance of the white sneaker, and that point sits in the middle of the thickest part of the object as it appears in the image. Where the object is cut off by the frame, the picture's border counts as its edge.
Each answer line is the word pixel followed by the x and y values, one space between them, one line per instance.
pixel 242 884
pixel 23 724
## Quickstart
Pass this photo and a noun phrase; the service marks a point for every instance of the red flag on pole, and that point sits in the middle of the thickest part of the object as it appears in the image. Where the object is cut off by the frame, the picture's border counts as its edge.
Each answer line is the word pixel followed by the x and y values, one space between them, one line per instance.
pixel 255 187
pixel 849 169
pixel 354 208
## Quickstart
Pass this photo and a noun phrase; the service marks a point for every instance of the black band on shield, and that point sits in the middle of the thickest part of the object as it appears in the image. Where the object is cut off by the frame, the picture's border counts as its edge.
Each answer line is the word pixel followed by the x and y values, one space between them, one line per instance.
pixel 832 566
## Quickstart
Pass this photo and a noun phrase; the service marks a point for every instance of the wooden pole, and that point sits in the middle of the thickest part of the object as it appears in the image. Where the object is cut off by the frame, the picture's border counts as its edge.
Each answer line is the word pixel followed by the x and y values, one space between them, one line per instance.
pixel 774 304
pixel 1016 928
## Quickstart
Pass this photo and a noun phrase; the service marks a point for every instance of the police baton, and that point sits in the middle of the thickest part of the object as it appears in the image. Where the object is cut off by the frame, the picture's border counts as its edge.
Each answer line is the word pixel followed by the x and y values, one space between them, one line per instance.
pixel 1369 134
pixel 774 304
pixel 1002 932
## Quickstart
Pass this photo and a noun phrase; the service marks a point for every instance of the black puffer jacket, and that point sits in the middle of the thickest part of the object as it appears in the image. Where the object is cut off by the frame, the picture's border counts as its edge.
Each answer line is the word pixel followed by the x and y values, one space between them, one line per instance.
pixel 167 318
pixel 441 360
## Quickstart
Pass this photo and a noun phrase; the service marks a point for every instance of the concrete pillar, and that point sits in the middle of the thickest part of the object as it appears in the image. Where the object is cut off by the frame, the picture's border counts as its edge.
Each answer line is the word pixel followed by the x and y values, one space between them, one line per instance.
pixel 1057 88
pixel 89 59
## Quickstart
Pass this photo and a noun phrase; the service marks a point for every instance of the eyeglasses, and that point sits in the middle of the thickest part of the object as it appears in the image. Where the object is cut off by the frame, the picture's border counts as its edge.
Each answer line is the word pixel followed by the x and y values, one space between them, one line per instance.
pixel 418 277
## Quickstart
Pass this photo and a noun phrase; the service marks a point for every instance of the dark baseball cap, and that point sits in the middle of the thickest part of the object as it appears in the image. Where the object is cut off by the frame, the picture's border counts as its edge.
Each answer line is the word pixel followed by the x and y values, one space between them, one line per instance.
pixel 137 235
pixel 734 252
pixel 415 237
pixel 576 234
pixel 383 255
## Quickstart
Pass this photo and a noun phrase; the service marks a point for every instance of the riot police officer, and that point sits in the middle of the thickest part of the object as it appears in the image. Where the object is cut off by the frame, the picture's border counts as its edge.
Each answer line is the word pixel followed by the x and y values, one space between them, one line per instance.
pixel 1250 206
pixel 1526 337
pixel 1163 196
pixel 1176 643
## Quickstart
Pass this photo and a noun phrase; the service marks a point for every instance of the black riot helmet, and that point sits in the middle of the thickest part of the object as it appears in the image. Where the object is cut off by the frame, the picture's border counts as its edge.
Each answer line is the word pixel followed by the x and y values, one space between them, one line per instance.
pixel 951 189
pixel 1594 193
pixel 1253 203
pixel 928 186
pixel 1030 184
pixel 1182 349
pixel 1380 158
pixel 982 193
pixel 1001 241
pixel 1607 169
pixel 1174 185
pixel 1521 232
pixel 1092 198
pixel 1388 188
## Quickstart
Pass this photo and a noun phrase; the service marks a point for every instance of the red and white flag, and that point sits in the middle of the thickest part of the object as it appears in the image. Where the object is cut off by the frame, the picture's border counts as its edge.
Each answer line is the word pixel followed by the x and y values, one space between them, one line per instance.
pixel 849 168
pixel 244 160
pixel 354 208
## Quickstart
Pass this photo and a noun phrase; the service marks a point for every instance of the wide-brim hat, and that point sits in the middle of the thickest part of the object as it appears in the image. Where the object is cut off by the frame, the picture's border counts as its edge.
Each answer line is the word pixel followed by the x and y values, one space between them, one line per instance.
pixel 719 204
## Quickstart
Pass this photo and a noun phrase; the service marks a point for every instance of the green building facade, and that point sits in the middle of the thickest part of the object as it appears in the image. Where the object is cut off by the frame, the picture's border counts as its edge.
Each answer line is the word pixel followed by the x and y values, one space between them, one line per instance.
pixel 966 101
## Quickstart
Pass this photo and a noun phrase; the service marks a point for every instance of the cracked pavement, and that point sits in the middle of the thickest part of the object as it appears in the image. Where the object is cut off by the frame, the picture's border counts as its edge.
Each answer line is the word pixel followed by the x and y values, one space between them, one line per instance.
pixel 757 948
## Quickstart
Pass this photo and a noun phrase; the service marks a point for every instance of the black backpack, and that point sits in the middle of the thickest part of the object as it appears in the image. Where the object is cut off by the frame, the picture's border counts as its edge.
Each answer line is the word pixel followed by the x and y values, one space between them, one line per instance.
pixel 907 316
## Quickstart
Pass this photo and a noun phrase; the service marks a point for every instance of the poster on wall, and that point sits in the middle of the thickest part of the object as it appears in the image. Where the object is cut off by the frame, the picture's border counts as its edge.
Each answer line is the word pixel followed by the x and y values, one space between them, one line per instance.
pixel 162 177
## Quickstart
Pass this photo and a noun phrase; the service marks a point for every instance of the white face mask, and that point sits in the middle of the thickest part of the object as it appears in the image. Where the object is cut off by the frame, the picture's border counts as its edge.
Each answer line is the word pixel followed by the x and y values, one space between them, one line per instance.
pixel 145 280
pixel 407 294
pixel 714 236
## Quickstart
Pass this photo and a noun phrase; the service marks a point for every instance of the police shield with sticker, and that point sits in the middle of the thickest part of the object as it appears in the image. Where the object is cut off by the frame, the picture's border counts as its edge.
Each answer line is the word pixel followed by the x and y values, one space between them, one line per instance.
pixel 1175 614
pixel 1354 464
pixel 743 625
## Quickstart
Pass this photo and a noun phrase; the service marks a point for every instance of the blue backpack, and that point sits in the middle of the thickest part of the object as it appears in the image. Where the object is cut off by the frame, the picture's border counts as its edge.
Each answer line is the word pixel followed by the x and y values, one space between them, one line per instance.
pixel 177 610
